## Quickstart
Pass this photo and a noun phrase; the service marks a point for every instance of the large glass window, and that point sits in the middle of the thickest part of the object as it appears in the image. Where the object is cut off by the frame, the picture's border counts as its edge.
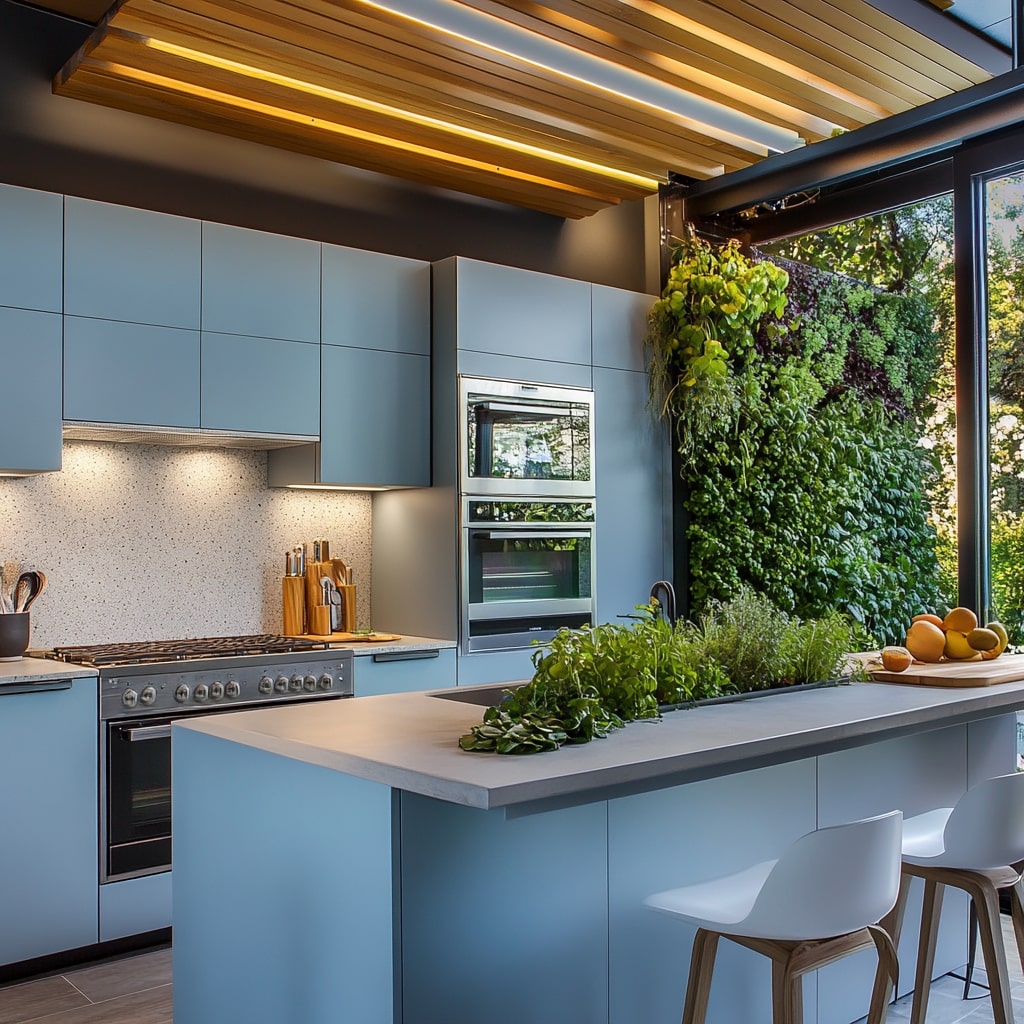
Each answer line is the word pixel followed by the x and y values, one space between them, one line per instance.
pixel 1004 325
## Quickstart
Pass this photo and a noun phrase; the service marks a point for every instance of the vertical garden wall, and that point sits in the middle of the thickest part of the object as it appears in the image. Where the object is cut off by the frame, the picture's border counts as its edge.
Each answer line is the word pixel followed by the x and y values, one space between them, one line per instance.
pixel 803 402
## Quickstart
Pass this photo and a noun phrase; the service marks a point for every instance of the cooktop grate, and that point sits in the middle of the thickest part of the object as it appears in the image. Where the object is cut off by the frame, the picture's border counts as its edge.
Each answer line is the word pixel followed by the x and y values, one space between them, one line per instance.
pixel 143 652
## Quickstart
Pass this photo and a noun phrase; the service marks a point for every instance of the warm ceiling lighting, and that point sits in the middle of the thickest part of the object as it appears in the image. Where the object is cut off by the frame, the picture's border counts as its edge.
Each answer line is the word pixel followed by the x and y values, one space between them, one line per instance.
pixel 712 119
pixel 361 103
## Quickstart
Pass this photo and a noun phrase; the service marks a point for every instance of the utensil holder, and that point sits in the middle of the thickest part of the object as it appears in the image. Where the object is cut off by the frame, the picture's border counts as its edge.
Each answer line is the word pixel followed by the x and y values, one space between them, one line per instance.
pixel 293 605
pixel 14 631
pixel 320 621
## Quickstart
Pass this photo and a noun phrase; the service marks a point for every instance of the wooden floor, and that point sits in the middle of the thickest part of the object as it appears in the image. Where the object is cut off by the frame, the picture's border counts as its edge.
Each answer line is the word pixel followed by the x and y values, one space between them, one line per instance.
pixel 137 990
pixel 131 990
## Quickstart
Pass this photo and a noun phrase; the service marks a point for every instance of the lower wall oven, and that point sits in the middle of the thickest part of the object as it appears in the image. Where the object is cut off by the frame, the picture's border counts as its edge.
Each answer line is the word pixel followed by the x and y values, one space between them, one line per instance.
pixel 527 570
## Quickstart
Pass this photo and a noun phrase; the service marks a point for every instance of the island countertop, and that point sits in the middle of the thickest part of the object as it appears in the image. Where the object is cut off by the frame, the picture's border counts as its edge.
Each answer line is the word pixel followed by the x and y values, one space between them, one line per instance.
pixel 409 741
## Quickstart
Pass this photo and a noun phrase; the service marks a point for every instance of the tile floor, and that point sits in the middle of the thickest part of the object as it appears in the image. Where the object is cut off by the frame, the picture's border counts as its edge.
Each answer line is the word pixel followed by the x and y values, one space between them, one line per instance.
pixel 137 990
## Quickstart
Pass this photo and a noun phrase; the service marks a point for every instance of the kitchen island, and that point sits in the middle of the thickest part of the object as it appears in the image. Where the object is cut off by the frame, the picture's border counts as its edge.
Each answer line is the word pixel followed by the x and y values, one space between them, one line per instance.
pixel 351 863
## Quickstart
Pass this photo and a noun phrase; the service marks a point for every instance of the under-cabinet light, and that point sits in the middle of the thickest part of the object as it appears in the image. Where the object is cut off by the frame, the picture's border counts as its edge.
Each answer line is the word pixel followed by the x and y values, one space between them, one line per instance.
pixel 707 117
pixel 334 487
pixel 351 100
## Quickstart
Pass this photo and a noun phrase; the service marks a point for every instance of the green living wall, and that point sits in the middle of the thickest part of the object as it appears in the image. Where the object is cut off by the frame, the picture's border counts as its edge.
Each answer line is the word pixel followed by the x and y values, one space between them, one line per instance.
pixel 799 400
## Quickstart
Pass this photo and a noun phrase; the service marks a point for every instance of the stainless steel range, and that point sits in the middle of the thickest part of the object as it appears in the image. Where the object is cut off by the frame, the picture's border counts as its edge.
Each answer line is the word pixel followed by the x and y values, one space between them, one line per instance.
pixel 144 687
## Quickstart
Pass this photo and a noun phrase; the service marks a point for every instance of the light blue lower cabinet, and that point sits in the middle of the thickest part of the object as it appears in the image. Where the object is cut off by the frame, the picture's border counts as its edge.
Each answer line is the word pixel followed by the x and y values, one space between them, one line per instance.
pixel 261 385
pixel 49 859
pixel 496 667
pixel 404 671
pixel 116 372
pixel 135 905
pixel 30 353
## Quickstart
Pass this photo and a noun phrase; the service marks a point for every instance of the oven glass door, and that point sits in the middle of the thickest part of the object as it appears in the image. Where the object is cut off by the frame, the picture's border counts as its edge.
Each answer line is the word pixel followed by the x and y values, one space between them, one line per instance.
pixel 526 439
pixel 524 584
pixel 138 797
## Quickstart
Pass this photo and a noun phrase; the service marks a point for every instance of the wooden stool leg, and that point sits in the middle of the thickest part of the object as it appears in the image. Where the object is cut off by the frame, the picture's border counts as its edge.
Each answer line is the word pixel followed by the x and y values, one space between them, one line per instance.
pixel 986 899
pixel 892 923
pixel 930 909
pixel 780 1001
pixel 972 948
pixel 1017 916
pixel 888 971
pixel 698 986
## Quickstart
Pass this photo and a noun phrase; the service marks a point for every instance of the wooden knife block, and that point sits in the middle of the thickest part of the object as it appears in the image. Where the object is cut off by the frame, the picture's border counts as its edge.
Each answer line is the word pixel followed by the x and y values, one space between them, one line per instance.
pixel 293 605
pixel 315 572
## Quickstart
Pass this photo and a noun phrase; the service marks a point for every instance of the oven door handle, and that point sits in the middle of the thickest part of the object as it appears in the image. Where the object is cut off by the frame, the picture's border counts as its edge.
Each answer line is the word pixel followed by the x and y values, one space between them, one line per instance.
pixel 135 733
pixel 535 534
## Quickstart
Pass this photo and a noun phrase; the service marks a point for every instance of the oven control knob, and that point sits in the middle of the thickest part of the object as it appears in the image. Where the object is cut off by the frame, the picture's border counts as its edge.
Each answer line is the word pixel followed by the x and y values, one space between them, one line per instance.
pixel 309 683
pixel 266 685
pixel 148 695
pixel 129 698
pixel 233 689
pixel 326 682
pixel 181 693
pixel 201 692
pixel 216 690
pixel 295 684
pixel 281 684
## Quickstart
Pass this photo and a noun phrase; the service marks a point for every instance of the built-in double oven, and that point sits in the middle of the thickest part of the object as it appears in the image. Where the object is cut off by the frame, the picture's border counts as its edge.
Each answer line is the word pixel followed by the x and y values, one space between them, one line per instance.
pixel 527 512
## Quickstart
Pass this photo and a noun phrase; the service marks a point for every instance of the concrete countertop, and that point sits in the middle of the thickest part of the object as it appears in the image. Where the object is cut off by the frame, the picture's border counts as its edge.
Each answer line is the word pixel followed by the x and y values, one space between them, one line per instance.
pixel 410 741
pixel 40 670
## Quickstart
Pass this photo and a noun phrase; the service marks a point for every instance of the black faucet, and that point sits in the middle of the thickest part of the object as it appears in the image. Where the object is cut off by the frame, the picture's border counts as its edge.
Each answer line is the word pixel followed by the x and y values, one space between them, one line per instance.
pixel 664 593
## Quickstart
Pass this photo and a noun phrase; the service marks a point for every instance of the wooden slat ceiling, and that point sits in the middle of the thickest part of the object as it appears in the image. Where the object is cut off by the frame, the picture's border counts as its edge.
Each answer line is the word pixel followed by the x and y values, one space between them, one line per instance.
pixel 565 108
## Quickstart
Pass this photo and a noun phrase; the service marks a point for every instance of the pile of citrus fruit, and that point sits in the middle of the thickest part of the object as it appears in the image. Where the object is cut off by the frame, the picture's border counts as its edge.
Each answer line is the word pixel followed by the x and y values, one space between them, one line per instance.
pixel 957 637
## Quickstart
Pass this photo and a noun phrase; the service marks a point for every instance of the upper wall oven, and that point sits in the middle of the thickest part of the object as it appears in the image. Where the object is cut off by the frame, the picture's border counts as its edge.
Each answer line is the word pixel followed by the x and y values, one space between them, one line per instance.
pixel 526 439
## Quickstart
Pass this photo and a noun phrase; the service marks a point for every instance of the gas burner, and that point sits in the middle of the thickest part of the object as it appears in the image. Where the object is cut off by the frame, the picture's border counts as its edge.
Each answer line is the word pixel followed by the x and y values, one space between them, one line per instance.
pixel 157 651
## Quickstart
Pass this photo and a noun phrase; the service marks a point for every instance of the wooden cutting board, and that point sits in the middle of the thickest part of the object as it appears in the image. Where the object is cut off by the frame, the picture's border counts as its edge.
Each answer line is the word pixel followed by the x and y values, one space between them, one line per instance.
pixel 353 638
pixel 1005 669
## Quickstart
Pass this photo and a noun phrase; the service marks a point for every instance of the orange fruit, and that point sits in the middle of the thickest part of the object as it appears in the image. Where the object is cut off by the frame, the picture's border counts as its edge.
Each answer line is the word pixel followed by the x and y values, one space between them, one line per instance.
pixel 963 620
pixel 933 619
pixel 925 641
pixel 896 659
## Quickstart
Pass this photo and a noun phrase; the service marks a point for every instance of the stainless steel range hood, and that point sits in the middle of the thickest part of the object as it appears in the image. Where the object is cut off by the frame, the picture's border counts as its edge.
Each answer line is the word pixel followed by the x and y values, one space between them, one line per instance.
pixel 183 437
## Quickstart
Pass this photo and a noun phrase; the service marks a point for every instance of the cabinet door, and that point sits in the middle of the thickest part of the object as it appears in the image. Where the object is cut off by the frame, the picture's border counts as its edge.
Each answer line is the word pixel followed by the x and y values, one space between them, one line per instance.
pixel 49 862
pixel 130 373
pixel 126 264
pixel 537 371
pixel 509 311
pixel 259 284
pixel 260 384
pixel 30 353
pixel 375 418
pixel 404 672
pixel 633 509
pixel 371 300
pixel 31 243
pixel 620 324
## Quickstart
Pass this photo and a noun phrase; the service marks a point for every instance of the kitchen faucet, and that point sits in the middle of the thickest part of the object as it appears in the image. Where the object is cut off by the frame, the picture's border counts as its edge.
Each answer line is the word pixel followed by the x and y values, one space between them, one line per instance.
pixel 664 593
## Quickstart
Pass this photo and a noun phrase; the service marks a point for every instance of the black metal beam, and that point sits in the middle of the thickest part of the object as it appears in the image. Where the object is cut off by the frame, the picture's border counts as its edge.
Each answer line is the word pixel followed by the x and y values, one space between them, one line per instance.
pixel 934 128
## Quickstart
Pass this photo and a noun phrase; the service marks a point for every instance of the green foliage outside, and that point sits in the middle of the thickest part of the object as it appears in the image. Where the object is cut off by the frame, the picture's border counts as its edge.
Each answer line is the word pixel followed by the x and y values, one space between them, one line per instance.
pixel 804 476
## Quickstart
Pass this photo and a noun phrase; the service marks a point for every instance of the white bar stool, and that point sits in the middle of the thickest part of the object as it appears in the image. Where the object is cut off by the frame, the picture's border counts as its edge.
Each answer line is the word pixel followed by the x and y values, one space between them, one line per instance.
pixel 820 901
pixel 973 846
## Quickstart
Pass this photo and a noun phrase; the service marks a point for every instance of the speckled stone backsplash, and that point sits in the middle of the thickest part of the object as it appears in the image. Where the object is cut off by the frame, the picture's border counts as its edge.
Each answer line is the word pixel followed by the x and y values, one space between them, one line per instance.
pixel 149 542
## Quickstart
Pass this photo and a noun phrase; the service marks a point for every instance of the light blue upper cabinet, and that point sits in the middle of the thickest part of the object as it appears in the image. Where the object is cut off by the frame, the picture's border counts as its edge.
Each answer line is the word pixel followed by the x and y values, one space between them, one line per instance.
pixel 511 312
pixel 260 284
pixel 620 324
pixel 262 385
pixel 375 418
pixel 631 453
pixel 371 300
pixel 31 243
pixel 30 354
pixel 118 372
pixel 131 265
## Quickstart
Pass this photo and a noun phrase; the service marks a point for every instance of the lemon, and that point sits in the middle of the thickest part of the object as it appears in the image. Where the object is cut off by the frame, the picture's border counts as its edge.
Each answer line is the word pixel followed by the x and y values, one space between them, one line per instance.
pixel 957 648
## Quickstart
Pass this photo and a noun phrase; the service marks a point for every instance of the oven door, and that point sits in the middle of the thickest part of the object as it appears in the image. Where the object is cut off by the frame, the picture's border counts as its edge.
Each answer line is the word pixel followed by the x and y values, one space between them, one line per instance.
pixel 521 584
pixel 136 800
pixel 526 439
